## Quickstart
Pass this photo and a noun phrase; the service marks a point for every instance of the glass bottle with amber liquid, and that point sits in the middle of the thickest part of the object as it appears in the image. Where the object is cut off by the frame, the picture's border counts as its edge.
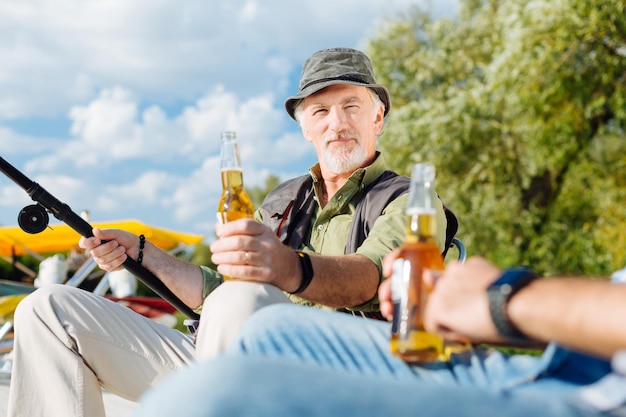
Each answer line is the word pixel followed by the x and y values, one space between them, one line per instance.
pixel 235 203
pixel 419 251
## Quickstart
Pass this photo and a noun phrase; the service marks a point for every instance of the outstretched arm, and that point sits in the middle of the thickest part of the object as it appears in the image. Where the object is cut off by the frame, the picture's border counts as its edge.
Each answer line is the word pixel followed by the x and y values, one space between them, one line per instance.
pixel 580 313
pixel 182 278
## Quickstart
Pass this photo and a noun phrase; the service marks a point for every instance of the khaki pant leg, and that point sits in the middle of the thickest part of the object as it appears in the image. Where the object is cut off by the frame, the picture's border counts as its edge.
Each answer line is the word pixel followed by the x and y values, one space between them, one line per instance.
pixel 225 311
pixel 70 343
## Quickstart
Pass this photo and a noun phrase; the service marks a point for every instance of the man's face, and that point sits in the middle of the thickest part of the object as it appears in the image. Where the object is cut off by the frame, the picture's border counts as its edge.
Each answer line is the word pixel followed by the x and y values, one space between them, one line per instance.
pixel 341 122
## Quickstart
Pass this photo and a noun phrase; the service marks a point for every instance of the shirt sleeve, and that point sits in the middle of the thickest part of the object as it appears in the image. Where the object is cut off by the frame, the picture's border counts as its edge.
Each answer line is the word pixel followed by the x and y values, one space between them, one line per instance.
pixel 211 279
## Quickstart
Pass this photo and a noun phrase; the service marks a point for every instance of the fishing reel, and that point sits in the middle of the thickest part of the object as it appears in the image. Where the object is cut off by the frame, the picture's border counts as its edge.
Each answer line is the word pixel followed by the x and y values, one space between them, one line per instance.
pixel 33 219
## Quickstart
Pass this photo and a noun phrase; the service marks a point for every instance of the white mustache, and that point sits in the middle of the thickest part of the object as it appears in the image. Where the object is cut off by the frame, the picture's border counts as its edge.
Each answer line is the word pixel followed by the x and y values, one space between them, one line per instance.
pixel 341 136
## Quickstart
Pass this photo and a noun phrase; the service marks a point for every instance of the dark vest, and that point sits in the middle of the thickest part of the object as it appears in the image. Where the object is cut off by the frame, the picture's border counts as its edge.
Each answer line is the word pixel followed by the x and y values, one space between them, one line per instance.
pixel 289 208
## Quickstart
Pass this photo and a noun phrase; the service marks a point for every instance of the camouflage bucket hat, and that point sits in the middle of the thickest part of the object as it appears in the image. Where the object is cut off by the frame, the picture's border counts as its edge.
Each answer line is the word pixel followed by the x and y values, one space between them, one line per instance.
pixel 336 66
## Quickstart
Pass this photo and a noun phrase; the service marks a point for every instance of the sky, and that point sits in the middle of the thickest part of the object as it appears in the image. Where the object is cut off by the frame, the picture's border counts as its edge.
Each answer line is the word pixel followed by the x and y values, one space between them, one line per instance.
pixel 116 106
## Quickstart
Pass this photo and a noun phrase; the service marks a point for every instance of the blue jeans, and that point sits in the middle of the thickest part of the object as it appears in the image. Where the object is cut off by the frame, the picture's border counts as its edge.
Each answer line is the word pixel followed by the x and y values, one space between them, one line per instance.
pixel 292 360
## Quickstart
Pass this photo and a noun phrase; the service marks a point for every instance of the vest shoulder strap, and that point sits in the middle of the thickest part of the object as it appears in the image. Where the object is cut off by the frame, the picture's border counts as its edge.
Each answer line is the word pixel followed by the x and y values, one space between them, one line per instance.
pixel 375 198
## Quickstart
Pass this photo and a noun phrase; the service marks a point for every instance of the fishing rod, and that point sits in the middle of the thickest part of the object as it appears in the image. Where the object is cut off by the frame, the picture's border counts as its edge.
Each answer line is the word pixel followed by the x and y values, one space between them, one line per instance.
pixel 34 219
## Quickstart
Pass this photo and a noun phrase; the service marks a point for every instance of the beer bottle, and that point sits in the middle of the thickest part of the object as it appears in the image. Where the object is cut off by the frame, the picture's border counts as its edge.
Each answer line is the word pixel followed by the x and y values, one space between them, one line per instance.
pixel 419 251
pixel 234 203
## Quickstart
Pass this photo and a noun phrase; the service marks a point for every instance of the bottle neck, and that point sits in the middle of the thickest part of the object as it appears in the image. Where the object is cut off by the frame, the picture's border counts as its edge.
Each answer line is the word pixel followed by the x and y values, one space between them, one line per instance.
pixel 229 155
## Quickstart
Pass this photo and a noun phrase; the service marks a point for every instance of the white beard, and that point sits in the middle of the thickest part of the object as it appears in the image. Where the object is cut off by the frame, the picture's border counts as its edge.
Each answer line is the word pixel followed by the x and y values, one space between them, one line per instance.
pixel 345 159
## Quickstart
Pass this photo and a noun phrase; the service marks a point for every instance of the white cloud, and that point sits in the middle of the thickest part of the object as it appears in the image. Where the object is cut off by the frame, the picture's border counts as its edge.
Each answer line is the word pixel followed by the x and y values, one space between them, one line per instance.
pixel 55 52
pixel 108 122
pixel 137 91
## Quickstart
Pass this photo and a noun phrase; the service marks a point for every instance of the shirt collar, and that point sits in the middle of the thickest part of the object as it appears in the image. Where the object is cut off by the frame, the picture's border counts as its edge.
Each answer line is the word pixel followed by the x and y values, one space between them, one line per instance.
pixel 364 176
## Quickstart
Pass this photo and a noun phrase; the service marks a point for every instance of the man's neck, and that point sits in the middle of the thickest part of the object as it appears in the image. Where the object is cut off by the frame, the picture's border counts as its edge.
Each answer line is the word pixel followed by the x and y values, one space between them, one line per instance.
pixel 332 181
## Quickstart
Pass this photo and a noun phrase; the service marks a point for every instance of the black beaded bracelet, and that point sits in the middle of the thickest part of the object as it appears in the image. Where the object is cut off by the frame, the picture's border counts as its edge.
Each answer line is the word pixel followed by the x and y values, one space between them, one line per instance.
pixel 142 244
pixel 307 271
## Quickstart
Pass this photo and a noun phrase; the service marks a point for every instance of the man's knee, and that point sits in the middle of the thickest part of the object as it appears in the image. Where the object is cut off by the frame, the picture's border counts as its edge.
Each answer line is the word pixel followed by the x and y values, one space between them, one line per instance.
pixel 242 296
pixel 287 315
pixel 273 323
pixel 227 309
pixel 54 294
pixel 278 314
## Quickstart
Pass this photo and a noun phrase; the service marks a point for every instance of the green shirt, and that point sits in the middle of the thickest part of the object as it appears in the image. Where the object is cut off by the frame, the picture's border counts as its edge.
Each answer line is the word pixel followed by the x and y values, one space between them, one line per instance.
pixel 331 224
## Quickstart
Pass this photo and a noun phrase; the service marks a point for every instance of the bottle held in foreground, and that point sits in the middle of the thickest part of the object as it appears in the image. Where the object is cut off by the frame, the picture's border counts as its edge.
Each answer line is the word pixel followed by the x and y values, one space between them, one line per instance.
pixel 235 203
pixel 419 251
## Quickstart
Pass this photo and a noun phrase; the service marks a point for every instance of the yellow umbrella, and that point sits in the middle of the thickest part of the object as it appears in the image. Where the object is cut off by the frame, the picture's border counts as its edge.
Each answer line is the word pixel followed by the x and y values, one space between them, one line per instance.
pixel 61 238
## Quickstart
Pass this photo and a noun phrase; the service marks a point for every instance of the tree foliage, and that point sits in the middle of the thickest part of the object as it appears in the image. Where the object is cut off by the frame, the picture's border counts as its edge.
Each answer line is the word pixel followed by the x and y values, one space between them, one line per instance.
pixel 521 104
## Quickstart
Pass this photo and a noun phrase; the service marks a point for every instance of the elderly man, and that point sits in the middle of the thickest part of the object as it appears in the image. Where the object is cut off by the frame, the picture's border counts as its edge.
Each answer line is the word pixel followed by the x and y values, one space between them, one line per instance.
pixel 318 240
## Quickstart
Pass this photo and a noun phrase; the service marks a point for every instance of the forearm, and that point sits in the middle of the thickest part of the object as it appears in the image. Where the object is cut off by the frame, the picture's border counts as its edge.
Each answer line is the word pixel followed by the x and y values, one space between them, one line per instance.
pixel 342 281
pixel 182 278
pixel 583 314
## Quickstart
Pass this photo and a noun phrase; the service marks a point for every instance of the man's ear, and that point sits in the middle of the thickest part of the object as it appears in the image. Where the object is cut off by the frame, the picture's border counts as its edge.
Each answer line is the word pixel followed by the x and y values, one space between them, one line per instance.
pixel 379 120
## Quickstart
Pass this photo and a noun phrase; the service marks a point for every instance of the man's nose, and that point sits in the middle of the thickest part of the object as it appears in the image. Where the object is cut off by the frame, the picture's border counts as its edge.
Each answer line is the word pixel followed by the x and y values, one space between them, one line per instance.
pixel 337 119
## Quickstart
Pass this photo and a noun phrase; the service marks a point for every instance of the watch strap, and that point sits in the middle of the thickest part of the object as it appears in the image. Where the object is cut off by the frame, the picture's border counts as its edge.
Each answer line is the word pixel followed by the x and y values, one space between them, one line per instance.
pixel 499 294
pixel 307 271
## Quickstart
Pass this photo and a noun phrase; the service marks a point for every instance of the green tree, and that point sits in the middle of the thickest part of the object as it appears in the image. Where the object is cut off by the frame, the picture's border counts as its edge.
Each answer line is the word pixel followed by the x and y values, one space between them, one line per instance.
pixel 522 107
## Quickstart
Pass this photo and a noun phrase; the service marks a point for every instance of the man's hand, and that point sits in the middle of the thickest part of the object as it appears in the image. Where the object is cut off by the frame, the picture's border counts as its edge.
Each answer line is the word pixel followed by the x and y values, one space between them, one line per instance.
pixel 457 307
pixel 249 250
pixel 110 247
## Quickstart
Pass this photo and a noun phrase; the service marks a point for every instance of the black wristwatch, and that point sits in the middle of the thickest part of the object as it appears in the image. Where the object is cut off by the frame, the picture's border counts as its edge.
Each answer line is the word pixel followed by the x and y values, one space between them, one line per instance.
pixel 499 294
